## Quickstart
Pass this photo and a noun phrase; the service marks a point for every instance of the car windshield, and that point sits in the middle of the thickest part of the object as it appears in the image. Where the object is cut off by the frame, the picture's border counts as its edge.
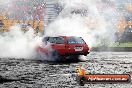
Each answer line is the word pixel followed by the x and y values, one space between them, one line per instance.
pixel 75 40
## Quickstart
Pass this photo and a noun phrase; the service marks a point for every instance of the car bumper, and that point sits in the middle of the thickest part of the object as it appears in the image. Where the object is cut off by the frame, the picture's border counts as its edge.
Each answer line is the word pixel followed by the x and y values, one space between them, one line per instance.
pixel 77 53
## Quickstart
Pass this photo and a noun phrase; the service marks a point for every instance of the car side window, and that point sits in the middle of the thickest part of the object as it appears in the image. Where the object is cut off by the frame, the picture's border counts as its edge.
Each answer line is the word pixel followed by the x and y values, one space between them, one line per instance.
pixel 59 40
pixel 56 40
pixel 71 41
pixel 51 40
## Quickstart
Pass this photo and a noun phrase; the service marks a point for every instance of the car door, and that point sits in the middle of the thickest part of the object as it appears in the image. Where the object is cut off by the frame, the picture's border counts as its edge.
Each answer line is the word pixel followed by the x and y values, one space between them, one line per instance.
pixel 70 46
pixel 58 44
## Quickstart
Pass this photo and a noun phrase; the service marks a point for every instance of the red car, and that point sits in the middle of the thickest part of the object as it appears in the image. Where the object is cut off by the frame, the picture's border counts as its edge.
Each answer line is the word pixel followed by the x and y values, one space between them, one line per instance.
pixel 63 46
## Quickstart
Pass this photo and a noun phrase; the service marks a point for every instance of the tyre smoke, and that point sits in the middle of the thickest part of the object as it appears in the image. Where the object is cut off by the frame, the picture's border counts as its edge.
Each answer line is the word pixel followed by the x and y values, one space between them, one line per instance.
pixel 91 19
pixel 17 44
pixel 87 19
pixel 40 55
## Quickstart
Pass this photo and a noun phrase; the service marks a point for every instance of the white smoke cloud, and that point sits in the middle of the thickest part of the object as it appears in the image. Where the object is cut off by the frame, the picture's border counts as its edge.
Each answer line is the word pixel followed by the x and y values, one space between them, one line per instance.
pixel 17 44
pixel 96 25
pixel 93 27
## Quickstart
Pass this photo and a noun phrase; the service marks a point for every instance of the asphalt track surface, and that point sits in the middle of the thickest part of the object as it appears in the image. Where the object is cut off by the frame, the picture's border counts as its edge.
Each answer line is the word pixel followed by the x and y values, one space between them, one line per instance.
pixel 28 73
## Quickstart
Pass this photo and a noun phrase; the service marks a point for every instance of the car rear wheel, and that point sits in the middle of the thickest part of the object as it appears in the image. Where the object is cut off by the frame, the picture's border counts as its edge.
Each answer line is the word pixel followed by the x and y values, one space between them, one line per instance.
pixel 38 55
pixel 74 58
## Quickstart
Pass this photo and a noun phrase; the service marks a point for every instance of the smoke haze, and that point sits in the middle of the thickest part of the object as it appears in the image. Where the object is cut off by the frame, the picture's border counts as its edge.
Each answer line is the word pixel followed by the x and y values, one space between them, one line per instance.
pixel 91 19
pixel 17 44
pixel 94 25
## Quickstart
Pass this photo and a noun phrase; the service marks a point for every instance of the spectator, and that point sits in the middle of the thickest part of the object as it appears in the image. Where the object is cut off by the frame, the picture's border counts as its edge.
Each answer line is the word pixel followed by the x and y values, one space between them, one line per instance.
pixel 117 37
pixel 37 29
pixel 28 27
pixel 1 25
pixel 23 26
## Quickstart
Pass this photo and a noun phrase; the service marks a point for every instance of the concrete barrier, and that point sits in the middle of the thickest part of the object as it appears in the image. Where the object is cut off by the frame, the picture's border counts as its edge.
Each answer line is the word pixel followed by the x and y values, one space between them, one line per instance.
pixel 112 49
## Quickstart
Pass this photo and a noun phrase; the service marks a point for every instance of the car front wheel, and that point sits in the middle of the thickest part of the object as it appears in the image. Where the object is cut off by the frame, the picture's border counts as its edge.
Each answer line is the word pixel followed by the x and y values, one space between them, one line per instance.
pixel 55 55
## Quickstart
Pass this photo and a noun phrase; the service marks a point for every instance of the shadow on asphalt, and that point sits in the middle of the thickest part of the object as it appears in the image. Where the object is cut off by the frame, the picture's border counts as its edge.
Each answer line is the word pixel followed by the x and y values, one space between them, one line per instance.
pixel 64 61
pixel 4 80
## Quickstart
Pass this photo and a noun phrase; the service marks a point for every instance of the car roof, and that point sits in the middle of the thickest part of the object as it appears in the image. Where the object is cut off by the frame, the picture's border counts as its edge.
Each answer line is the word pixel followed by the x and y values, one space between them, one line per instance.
pixel 62 36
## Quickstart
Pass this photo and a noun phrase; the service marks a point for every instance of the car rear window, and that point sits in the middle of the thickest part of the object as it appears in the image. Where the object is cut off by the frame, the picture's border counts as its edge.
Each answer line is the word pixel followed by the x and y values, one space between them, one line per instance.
pixel 75 40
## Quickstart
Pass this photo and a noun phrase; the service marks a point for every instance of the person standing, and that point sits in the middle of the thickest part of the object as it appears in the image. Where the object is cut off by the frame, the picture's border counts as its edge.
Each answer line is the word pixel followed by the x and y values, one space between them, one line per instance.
pixel 1 25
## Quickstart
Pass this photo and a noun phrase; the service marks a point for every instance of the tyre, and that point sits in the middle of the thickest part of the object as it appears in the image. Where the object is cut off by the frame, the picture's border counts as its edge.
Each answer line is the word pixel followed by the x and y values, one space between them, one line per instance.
pixel 41 56
pixel 74 58
pixel 38 55
pixel 55 55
